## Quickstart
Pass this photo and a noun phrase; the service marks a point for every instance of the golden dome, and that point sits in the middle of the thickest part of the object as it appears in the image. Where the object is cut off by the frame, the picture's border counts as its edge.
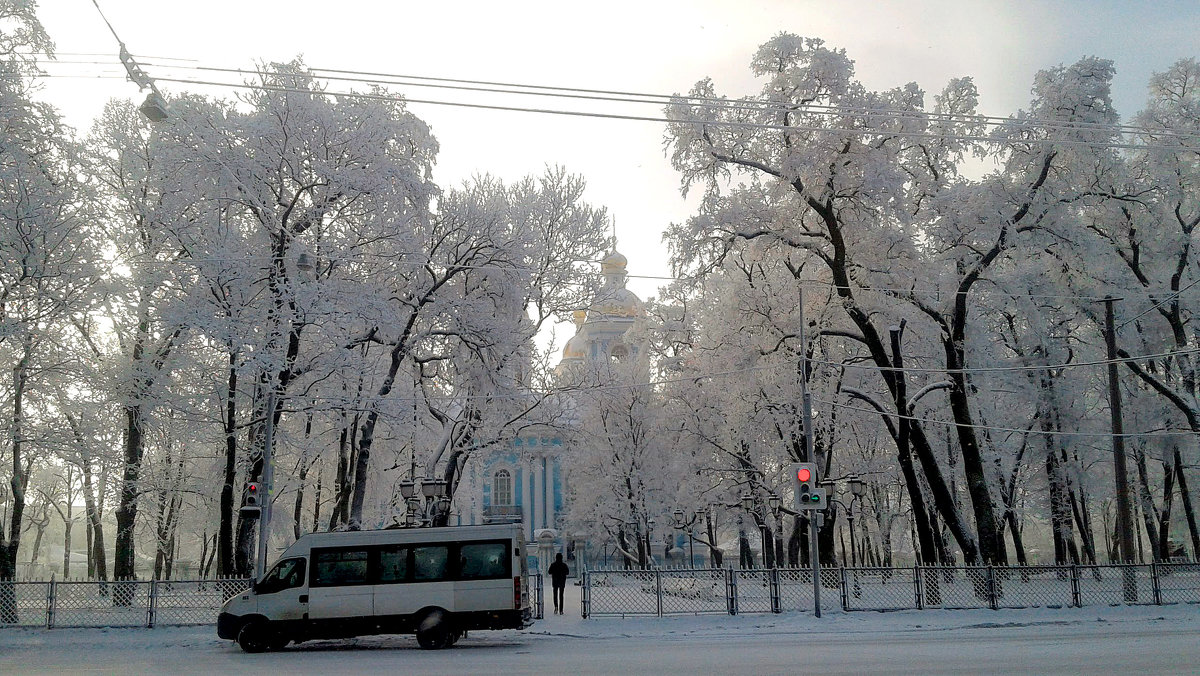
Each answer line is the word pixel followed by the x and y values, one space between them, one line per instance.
pixel 620 302
pixel 613 262
pixel 574 349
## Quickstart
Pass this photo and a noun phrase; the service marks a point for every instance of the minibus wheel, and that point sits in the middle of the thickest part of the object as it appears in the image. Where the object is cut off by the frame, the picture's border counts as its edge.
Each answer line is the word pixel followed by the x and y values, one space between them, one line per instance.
pixel 434 631
pixel 254 638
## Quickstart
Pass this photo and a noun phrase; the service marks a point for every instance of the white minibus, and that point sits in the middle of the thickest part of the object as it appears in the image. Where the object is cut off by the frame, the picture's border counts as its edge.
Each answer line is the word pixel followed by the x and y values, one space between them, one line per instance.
pixel 435 582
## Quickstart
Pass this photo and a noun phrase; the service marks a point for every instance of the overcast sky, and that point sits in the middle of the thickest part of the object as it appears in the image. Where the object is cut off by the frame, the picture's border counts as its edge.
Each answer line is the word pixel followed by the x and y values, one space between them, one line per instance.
pixel 645 46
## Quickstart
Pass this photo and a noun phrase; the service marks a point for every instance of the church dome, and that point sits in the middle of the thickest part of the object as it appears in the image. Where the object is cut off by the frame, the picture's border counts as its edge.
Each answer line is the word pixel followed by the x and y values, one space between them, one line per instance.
pixel 613 262
pixel 574 349
pixel 619 302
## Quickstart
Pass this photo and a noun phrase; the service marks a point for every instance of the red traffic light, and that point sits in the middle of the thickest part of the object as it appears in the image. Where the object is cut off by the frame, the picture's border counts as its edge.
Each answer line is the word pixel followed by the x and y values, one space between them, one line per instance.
pixel 804 474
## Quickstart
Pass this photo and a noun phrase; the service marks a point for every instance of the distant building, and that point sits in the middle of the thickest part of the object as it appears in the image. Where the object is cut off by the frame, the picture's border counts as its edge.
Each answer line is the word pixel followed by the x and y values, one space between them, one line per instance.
pixel 527 480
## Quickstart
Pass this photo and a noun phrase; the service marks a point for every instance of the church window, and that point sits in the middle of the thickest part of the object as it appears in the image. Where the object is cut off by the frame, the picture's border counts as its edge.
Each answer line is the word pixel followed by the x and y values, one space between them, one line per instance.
pixel 502 488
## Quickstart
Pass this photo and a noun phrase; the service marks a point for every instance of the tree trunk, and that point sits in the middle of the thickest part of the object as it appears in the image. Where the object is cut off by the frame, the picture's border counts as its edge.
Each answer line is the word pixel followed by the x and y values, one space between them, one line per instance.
pixel 298 504
pixel 123 556
pixel 17 484
pixel 1146 501
pixel 797 550
pixel 226 565
pixel 926 553
pixel 1185 496
pixel 67 523
pixel 1164 516
pixel 745 554
pixel 316 517
pixel 97 561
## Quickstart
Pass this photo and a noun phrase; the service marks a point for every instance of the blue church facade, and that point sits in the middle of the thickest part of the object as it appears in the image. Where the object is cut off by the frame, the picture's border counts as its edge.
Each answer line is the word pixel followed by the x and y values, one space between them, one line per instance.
pixel 528 480
pixel 524 482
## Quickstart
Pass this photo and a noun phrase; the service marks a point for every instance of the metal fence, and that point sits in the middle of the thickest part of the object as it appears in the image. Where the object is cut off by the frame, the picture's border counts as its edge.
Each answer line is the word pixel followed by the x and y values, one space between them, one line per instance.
pixel 539 597
pixel 126 603
pixel 137 603
pixel 700 591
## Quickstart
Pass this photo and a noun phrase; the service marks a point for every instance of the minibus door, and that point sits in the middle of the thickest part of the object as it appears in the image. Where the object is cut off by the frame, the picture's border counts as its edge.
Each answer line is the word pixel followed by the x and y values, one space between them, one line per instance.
pixel 283 592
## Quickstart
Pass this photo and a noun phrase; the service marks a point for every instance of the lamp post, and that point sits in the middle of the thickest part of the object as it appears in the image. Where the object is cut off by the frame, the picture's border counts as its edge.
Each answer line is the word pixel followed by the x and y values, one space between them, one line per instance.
pixel 688 525
pixel 775 503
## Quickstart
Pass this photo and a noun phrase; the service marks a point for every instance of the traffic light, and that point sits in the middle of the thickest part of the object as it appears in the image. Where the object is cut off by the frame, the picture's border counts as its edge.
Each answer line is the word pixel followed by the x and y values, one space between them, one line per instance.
pixel 252 500
pixel 809 496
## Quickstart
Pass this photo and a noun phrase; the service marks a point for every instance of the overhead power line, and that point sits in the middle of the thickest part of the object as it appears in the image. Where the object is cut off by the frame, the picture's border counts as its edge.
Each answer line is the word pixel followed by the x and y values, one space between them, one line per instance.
pixel 712 103
pixel 610 96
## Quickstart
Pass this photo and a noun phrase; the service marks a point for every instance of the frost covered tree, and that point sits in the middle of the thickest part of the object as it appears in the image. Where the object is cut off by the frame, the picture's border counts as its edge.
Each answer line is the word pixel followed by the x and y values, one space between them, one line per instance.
pixel 47 258
pixel 864 192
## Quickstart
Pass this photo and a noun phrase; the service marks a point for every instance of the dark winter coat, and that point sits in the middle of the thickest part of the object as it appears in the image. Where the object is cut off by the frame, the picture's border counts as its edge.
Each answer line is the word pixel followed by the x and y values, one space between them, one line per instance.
pixel 558 573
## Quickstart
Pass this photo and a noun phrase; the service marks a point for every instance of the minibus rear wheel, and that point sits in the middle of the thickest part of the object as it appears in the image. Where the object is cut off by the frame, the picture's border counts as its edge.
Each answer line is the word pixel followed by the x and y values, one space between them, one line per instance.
pixel 434 631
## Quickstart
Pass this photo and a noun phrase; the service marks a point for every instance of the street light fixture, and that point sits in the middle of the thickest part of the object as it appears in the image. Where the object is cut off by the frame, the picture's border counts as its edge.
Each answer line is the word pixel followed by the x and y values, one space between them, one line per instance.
pixel 408 489
pixel 857 485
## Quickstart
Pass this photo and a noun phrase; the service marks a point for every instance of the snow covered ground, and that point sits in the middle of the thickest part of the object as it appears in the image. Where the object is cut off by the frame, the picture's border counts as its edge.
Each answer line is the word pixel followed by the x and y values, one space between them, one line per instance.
pixel 1152 639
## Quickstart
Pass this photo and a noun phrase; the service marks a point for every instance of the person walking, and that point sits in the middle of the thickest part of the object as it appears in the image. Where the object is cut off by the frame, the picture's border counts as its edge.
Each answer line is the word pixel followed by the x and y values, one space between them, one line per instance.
pixel 558 580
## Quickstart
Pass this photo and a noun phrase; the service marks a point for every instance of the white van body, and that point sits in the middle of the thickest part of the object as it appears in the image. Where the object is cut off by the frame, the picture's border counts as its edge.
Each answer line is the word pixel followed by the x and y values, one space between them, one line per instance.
pixel 435 582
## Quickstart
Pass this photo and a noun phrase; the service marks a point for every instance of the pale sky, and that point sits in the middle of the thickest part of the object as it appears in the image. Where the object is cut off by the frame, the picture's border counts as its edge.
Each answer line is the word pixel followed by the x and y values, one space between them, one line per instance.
pixel 646 46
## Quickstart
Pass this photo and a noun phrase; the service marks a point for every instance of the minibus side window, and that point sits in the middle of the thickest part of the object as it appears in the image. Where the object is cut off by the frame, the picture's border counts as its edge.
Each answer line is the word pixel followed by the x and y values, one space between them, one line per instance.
pixel 332 567
pixel 285 575
pixel 429 562
pixel 483 561
pixel 393 564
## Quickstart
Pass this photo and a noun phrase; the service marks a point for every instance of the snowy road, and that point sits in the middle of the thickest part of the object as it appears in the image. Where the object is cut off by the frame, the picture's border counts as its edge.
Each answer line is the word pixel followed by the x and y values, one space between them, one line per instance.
pixel 1158 640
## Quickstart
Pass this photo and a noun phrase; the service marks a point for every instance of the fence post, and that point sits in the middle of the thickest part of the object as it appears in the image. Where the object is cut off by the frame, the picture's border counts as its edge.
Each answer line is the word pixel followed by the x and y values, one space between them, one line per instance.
pixel 585 593
pixel 776 596
pixel 731 590
pixel 153 603
pixel 1155 582
pixel 991 580
pixel 658 589
pixel 1076 598
pixel 917 587
pixel 845 591
pixel 541 597
pixel 51 589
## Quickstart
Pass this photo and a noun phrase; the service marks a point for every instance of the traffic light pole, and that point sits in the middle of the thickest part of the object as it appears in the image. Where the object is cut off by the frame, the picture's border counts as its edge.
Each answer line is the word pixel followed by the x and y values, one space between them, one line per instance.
pixel 814 519
pixel 814 523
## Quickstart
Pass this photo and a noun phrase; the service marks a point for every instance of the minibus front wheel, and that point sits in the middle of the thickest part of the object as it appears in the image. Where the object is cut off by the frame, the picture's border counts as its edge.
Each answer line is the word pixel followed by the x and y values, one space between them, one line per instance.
pixel 256 637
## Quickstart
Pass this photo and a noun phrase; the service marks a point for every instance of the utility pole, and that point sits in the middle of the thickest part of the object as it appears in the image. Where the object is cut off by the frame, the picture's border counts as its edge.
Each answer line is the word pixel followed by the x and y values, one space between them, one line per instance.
pixel 1124 507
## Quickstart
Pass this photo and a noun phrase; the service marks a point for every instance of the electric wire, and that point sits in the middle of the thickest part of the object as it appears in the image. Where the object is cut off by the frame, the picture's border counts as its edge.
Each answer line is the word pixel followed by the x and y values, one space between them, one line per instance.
pixel 672 120
pixel 713 103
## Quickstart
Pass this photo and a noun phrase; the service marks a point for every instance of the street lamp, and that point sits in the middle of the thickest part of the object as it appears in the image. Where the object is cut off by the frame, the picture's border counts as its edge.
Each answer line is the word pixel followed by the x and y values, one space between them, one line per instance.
pixel 687 525
pixel 857 485
pixel 407 489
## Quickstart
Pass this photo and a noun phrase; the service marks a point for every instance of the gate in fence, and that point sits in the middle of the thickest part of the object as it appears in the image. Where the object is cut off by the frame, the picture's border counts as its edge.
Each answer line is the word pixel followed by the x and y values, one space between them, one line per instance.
pixel 729 591
pixel 135 603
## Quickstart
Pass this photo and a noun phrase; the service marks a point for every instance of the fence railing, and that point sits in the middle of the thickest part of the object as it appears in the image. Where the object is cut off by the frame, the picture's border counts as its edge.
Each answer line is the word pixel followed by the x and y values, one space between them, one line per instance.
pixel 774 590
pixel 136 603
pixel 123 603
